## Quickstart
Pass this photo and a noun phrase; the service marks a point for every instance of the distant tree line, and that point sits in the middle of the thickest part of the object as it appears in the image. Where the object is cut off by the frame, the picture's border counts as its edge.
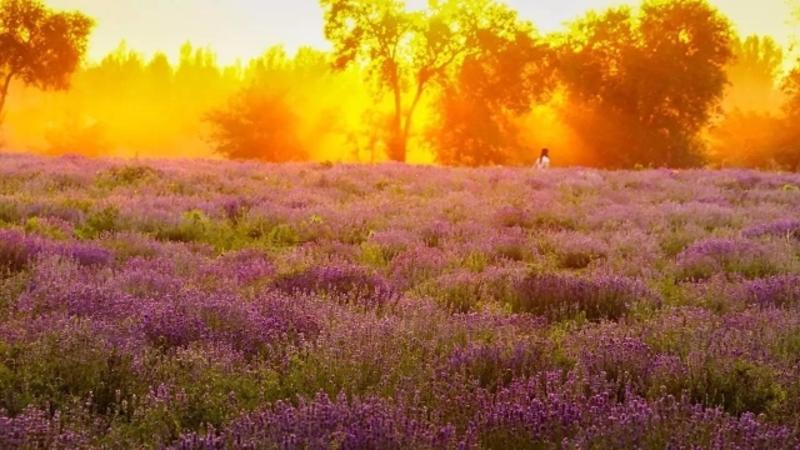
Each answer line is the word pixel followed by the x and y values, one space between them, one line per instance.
pixel 462 82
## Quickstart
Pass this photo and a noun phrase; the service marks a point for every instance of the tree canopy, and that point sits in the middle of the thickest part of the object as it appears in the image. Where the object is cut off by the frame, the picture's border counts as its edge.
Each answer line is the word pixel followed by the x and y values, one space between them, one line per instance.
pixel 477 110
pixel 408 52
pixel 39 46
pixel 643 86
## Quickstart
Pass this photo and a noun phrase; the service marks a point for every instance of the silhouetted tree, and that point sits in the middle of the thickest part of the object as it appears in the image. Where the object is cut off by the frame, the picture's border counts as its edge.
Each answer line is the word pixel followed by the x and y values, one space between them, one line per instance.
pixel 292 108
pixel 747 138
pixel 754 75
pixel 257 125
pixel 642 88
pixel 791 86
pixel 38 46
pixel 788 153
pixel 407 52
pixel 77 136
pixel 752 130
pixel 509 71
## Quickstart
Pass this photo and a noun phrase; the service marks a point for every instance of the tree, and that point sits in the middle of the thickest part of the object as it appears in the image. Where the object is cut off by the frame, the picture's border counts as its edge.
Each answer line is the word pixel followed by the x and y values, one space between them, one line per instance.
pixel 509 72
pixel 77 135
pixel 291 109
pixel 752 130
pixel 407 52
pixel 791 87
pixel 643 87
pixel 257 125
pixel 754 75
pixel 38 46
pixel 746 138
pixel 788 153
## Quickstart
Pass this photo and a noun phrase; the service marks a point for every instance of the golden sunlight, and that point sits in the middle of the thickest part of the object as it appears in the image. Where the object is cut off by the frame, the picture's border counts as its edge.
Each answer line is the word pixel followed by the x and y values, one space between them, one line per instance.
pixel 479 82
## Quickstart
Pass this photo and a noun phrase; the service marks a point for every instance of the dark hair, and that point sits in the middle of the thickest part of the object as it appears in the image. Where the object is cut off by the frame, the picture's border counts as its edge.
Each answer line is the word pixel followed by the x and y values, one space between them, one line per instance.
pixel 545 152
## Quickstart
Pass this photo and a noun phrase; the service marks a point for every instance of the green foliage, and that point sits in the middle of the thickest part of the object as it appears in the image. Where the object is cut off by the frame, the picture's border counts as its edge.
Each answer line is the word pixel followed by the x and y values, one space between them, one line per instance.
pixel 40 47
pixel 738 387
pixel 461 297
pixel 674 242
pixel 192 227
pixel 497 83
pixel 56 371
pixel 576 259
pixel 788 346
pixel 11 286
pixel 375 256
pixel 125 176
pixel 9 212
pixel 256 125
pixel 98 222
pixel 607 65
pixel 35 225
pixel 200 395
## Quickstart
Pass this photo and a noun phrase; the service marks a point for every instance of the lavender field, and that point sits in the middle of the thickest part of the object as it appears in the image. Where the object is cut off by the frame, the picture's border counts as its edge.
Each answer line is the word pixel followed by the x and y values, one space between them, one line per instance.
pixel 219 305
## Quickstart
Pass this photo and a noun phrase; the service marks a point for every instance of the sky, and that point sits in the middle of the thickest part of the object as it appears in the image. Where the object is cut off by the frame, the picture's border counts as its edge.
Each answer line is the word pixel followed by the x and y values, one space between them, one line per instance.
pixel 241 29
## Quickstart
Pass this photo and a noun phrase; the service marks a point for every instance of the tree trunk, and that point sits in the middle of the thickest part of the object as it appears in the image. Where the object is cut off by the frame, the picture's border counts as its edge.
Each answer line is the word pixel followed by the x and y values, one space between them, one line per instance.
pixel 411 111
pixel 397 144
pixel 4 93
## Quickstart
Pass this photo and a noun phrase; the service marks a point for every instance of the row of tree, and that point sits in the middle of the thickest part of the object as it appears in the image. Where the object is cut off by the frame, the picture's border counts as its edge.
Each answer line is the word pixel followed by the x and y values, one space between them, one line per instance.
pixel 665 84
pixel 462 82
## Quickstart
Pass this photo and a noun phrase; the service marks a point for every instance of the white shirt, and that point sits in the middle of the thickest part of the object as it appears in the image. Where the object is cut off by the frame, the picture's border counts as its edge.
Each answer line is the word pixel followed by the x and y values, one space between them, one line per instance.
pixel 543 163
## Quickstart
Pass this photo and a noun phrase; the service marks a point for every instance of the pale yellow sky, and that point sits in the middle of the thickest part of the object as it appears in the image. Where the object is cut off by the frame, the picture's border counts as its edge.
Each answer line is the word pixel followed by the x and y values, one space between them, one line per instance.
pixel 244 28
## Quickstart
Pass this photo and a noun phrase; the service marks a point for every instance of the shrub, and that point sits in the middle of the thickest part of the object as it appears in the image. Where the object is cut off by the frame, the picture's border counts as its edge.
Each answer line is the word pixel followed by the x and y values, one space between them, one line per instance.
pixel 16 250
pixel 59 368
pixel 510 216
pixel 560 297
pixel 38 429
pixel 265 326
pixel 787 228
pixel 192 227
pixel 127 176
pixel 493 366
pixel 85 255
pixel 344 284
pixel 578 252
pixel 322 423
pixel 460 292
pixel 706 258
pixel 98 222
pixel 737 386
pixel 781 291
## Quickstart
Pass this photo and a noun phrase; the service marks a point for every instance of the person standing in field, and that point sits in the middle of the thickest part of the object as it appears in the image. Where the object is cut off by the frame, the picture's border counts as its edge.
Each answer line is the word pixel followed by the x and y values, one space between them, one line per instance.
pixel 543 162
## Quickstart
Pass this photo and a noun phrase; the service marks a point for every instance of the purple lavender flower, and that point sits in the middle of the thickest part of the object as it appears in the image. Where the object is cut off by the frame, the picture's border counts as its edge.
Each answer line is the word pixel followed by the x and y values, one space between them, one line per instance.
pixel 781 291
pixel 711 256
pixel 560 297
pixel 346 284
pixel 322 423
pixel 38 429
pixel 16 250
pixel 786 228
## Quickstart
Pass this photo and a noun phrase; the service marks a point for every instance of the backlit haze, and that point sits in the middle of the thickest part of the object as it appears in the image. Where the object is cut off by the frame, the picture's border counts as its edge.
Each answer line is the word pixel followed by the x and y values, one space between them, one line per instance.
pixel 241 29
pixel 159 76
